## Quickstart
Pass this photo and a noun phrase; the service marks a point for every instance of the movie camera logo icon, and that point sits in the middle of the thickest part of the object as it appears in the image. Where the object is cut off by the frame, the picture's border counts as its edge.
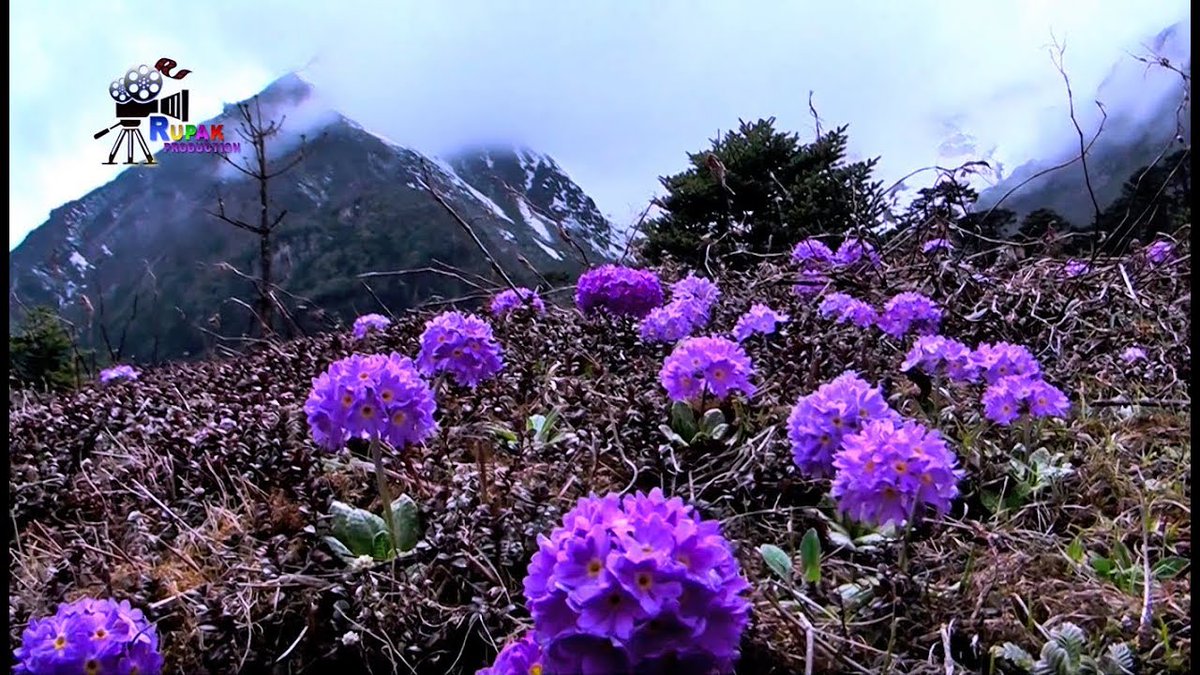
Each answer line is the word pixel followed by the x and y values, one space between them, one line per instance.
pixel 136 93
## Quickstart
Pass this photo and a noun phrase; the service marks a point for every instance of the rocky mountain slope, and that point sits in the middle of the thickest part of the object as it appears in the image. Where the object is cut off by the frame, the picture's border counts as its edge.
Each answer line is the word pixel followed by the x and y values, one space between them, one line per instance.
pixel 140 257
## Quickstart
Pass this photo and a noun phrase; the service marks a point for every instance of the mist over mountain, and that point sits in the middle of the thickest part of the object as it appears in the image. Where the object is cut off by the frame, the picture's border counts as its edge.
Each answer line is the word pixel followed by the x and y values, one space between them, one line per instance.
pixel 1144 123
pixel 140 257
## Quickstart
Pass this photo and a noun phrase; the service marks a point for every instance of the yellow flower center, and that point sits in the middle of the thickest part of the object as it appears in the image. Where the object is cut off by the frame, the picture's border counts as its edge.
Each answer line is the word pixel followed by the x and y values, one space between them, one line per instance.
pixel 927 478
pixel 594 567
pixel 387 395
pixel 901 466
pixel 60 642
pixel 101 633
pixel 399 417
pixel 367 411
pixel 347 400
pixel 644 581
pixel 535 669
pixel 684 560
pixel 92 666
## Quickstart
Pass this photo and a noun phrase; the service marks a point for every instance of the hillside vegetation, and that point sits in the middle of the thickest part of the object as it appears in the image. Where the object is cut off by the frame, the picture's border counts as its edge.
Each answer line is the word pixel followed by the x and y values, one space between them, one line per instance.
pixel 197 493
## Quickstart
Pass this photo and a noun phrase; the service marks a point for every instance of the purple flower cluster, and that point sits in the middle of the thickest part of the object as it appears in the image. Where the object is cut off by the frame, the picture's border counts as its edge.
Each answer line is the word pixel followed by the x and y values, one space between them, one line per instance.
pixel 937 245
pixel 1075 268
pixel 812 254
pixel 1010 397
pixel 1160 252
pixel 760 319
pixel 819 421
pixel 847 308
pixel 690 308
pixel 461 345
pixel 90 636
pixel 369 322
pixel 370 397
pixel 509 300
pixel 853 251
pixel 703 366
pixel 118 374
pixel 909 312
pixel 700 293
pixel 519 657
pixel 940 356
pixel 622 291
pixel 639 584
pixel 1000 360
pixel 889 468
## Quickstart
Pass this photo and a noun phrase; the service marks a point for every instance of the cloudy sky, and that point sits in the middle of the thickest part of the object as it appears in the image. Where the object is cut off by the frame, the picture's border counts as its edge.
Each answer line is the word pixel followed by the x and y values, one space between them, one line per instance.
pixel 617 91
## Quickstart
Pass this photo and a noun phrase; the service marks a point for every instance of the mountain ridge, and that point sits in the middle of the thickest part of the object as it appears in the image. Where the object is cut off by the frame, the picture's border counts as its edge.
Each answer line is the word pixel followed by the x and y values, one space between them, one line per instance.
pixel 357 202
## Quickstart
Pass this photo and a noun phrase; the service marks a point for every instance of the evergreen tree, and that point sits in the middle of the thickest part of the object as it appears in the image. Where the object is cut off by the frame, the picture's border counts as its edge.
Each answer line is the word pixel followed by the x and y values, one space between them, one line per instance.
pixel 40 352
pixel 1154 200
pixel 761 190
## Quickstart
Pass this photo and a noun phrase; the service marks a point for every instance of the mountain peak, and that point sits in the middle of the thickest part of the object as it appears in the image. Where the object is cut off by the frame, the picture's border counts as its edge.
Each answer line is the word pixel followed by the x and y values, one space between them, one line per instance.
pixel 289 88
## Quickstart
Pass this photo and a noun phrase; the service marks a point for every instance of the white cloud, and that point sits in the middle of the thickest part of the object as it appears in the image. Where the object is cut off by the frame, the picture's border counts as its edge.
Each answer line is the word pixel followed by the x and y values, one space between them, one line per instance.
pixel 616 92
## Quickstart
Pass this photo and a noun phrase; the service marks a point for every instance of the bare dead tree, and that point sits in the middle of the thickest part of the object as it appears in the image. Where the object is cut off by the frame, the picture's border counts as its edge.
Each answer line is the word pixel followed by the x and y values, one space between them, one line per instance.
pixel 257 133
pixel 1056 55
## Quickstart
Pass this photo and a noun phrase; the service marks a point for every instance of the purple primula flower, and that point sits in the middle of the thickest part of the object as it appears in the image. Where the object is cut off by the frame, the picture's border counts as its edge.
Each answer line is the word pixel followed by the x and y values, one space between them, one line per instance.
pixel 521 298
pixel 819 421
pixel 370 397
pixel 118 374
pixel 889 469
pixel 369 322
pixel 621 291
pixel 90 636
pixel 847 308
pixel 810 282
pixel 706 366
pixel 1010 397
pixel 909 312
pixel 1002 360
pixel 853 251
pixel 669 323
pixel 626 585
pixel 1160 252
pixel 519 657
pixel 940 356
pixel 812 254
pixel 1133 355
pixel 760 319
pixel 704 292
pixel 691 304
pixel 937 245
pixel 1075 268
pixel 461 345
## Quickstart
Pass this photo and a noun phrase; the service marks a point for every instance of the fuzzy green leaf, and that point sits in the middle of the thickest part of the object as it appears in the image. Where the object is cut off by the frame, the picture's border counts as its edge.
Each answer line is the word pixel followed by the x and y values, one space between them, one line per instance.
pixel 1121 555
pixel 408 528
pixel 683 420
pixel 357 529
pixel 1014 655
pixel 777 560
pixel 810 556
pixel 1103 566
pixel 711 420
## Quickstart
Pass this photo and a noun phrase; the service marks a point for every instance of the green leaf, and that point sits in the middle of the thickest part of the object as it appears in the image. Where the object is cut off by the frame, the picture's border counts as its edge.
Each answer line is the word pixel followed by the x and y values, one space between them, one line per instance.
pixel 671 435
pixel 408 527
pixel 339 549
pixel 504 434
pixel 683 420
pixel 1103 566
pixel 1075 551
pixel 1014 655
pixel 777 560
pixel 719 432
pixel 711 420
pixel 1169 568
pixel 535 423
pixel 1121 555
pixel 381 548
pixel 990 499
pixel 357 529
pixel 810 556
